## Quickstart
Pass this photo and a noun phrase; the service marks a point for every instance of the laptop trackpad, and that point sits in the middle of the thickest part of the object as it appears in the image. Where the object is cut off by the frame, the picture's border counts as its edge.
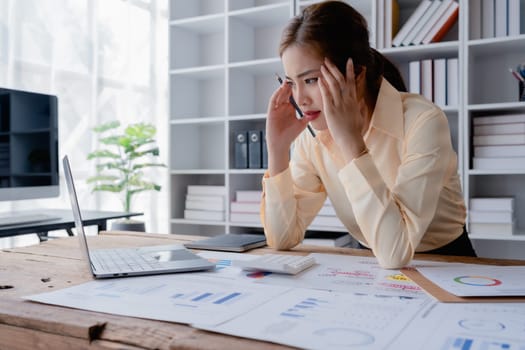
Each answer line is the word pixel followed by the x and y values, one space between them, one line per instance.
pixel 167 253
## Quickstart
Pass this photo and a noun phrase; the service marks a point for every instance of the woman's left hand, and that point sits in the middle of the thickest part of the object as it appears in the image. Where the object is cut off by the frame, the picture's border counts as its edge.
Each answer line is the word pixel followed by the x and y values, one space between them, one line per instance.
pixel 342 108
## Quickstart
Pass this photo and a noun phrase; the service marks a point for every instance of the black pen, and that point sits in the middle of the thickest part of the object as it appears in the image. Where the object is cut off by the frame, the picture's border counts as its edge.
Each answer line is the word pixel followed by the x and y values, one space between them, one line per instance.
pixel 294 104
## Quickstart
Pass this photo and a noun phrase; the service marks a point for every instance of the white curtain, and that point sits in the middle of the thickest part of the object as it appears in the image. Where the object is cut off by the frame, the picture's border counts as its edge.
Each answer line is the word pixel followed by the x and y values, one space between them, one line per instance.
pixel 105 60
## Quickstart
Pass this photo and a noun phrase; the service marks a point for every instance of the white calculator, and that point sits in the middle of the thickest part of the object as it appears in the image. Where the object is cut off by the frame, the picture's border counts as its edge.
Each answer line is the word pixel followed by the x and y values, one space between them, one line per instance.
pixel 279 263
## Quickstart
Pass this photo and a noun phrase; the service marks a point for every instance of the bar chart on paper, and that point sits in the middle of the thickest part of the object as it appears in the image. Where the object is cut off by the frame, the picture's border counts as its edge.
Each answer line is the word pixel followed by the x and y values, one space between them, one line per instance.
pixel 316 319
pixel 176 298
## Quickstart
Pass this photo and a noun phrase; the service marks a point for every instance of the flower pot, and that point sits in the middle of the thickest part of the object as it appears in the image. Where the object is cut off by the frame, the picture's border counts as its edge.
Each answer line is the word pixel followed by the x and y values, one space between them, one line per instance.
pixel 128 225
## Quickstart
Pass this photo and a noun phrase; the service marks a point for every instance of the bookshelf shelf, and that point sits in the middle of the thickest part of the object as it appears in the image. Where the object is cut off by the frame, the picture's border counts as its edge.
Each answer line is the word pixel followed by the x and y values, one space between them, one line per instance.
pixel 223 56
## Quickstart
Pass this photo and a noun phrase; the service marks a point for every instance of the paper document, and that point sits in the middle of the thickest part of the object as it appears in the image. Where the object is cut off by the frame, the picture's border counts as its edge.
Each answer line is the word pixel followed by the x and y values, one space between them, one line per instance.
pixel 470 280
pixel 352 274
pixel 315 319
pixel 183 298
pixel 472 326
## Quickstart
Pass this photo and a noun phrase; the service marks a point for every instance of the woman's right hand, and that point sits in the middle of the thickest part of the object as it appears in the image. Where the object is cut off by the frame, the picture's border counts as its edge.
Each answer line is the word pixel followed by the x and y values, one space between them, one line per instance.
pixel 282 128
pixel 282 125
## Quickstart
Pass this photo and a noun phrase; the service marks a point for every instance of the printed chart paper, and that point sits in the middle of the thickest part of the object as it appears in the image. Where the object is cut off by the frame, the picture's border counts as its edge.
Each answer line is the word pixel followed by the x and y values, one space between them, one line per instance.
pixel 472 326
pixel 183 298
pixel 352 274
pixel 315 319
pixel 470 280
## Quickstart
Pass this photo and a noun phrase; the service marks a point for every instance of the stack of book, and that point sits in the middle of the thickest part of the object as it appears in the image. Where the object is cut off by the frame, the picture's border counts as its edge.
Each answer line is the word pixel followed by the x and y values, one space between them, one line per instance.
pixel 205 202
pixel 327 217
pixel 491 215
pixel 429 23
pixel 499 142
pixel 437 80
pixel 247 207
pixel 494 18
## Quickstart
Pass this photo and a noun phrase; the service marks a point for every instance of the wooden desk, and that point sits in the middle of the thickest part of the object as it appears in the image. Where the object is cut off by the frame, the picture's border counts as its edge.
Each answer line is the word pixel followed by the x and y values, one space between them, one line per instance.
pixel 57 264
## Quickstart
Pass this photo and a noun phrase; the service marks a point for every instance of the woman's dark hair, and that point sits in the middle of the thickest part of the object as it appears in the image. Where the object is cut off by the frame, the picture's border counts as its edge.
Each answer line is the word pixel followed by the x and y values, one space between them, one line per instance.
pixel 337 31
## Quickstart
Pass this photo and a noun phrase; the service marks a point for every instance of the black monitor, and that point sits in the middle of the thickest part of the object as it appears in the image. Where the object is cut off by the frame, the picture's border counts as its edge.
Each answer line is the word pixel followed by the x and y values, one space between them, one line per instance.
pixel 28 145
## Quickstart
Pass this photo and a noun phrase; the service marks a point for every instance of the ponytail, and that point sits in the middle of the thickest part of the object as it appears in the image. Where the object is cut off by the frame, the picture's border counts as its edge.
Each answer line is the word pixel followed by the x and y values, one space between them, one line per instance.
pixel 383 66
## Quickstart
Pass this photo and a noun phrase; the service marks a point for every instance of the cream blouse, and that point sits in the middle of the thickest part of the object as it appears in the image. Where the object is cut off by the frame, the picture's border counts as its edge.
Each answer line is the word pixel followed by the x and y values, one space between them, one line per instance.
pixel 403 196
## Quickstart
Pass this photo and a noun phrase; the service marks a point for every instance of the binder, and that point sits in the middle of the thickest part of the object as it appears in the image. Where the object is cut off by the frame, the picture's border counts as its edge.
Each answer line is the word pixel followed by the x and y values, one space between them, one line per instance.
pixel 254 149
pixel 241 150
pixel 264 150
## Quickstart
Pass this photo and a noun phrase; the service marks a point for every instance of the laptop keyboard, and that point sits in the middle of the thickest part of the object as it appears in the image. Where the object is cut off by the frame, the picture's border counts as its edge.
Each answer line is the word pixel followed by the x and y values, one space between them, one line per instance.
pixel 123 260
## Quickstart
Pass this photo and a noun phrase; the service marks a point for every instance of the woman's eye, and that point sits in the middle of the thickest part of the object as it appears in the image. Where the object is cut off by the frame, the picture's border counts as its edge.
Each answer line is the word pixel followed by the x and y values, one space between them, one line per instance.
pixel 289 83
pixel 311 81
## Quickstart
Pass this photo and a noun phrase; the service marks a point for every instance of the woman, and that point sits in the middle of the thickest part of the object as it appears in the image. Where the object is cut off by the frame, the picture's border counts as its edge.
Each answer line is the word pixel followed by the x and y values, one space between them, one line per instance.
pixel 382 156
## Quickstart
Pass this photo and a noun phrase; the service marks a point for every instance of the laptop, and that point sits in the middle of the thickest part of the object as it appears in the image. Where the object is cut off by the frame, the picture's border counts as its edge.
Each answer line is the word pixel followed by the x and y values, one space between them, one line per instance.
pixel 122 262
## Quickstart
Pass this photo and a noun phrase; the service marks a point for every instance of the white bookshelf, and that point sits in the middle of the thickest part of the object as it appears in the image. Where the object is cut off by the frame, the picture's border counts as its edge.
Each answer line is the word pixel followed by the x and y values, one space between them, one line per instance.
pixel 223 56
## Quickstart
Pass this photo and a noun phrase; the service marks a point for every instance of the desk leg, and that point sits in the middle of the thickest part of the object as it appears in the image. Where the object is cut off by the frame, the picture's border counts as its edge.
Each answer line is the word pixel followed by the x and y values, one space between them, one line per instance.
pixel 42 236
pixel 102 225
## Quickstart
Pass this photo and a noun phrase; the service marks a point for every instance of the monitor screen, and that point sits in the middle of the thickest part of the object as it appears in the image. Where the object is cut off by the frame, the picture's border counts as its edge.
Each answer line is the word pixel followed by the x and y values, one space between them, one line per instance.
pixel 28 145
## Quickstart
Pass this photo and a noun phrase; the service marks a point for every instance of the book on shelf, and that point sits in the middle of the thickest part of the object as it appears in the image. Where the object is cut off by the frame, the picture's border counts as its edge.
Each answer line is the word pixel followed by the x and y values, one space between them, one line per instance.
pixel 500 18
pixel 327 239
pixel 495 217
pixel 410 22
pixel 503 163
pixel 499 119
pixel 493 140
pixel 380 24
pixel 452 82
pixel 443 25
pixel 499 151
pixel 254 218
pixel 487 18
pixel 427 74
pixel 514 17
pixel 414 77
pixel 475 21
pixel 325 220
pixel 391 26
pixel 204 215
pixel 492 228
pixel 491 204
pixel 206 189
pixel 440 10
pixel 245 207
pixel 248 195
pixel 327 210
pixel 498 129
pixel 421 23
pixel 205 198
pixel 439 81
pixel 205 205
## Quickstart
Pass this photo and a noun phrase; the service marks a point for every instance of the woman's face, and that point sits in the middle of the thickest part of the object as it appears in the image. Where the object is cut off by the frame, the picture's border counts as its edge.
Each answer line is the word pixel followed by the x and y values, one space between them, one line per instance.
pixel 302 69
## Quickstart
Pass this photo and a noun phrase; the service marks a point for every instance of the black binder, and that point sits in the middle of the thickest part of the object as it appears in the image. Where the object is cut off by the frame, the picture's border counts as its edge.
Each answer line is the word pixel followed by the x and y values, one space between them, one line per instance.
pixel 241 150
pixel 254 149
pixel 264 150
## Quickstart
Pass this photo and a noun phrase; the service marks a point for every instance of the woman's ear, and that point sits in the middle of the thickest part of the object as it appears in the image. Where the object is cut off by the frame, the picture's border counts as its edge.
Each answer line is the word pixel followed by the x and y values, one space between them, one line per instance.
pixel 360 80
pixel 360 73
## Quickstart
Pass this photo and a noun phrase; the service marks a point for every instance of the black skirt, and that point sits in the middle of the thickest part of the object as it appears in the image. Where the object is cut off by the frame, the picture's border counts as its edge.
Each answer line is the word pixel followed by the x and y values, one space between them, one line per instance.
pixel 461 246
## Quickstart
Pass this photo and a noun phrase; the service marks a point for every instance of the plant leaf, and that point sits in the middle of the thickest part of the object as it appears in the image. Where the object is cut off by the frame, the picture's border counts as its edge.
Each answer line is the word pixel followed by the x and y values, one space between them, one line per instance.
pixel 107 126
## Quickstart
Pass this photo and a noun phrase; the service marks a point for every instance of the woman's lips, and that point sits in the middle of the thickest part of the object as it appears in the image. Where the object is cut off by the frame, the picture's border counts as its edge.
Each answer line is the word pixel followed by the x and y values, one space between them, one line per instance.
pixel 311 115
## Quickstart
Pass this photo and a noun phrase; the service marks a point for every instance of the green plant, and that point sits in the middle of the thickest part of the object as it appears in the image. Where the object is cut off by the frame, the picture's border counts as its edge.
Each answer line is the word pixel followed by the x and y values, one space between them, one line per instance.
pixel 123 159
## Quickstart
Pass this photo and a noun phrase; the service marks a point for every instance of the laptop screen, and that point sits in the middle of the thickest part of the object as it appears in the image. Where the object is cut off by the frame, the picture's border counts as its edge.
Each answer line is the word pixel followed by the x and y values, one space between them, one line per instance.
pixel 76 210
